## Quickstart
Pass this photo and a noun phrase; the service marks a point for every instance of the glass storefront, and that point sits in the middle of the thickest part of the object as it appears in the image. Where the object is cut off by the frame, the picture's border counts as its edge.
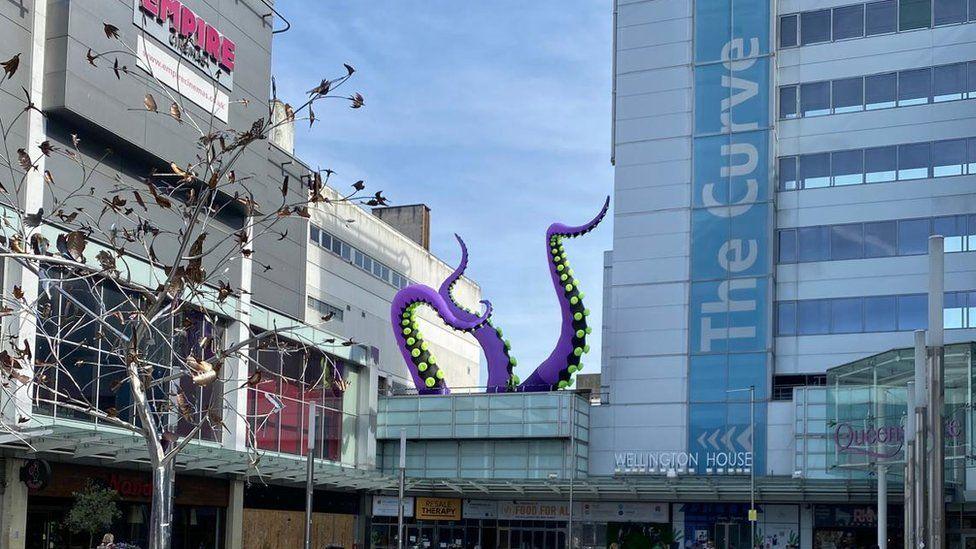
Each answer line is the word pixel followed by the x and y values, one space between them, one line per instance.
pixel 469 534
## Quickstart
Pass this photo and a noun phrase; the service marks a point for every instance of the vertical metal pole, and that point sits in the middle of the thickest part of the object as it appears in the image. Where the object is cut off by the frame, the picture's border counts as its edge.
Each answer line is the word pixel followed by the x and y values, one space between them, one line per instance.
pixel 752 470
pixel 403 469
pixel 936 481
pixel 910 487
pixel 572 465
pixel 309 475
pixel 921 441
pixel 882 506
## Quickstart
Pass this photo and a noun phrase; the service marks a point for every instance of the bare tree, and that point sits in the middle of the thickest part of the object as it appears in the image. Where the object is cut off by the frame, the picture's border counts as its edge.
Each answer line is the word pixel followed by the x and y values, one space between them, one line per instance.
pixel 157 340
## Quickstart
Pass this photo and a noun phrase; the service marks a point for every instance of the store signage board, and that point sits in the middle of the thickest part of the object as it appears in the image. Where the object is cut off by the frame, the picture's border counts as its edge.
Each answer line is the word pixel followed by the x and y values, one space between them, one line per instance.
pixel 188 35
pixel 479 509
pixel 386 506
pixel 533 510
pixel 662 462
pixel 171 72
pixel 438 509
pixel 604 511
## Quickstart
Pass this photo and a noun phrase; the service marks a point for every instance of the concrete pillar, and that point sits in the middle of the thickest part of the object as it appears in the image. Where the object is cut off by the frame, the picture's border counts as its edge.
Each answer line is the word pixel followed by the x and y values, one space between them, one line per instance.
pixel 13 507
pixel 234 532
pixel 235 369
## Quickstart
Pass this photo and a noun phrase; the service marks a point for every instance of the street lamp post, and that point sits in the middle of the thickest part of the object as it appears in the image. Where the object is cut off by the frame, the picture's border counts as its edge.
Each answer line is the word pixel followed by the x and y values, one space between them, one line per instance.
pixel 403 470
pixel 309 476
pixel 752 468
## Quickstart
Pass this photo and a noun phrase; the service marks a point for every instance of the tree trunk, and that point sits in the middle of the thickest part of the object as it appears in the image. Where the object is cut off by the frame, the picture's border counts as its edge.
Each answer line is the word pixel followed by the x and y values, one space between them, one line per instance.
pixel 161 514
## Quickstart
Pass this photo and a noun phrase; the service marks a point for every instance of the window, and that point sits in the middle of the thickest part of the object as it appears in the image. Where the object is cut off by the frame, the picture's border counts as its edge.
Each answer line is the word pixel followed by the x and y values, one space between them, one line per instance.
pixel 879 314
pixel 360 259
pixel 786 318
pixel 847 167
pixel 880 17
pixel 914 14
pixel 949 82
pixel 846 316
pixel 880 164
pixel 313 234
pixel 848 22
pixel 912 312
pixel 880 239
pixel 815 99
pixel 953 228
pixel 946 12
pixel 880 91
pixel 812 244
pixel 815 27
pixel 846 241
pixel 813 317
pixel 848 95
pixel 787 173
pixel 971 88
pixel 913 236
pixel 972 10
pixel 954 310
pixel 787 246
pixel 914 87
pixel 949 157
pixel 815 170
pixel 325 309
pixel 787 102
pixel 787 31
pixel 913 161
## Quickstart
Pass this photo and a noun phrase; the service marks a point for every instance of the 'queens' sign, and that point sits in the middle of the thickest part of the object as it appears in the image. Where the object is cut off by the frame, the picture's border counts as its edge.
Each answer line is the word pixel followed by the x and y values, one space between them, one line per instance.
pixel 878 442
pixel 187 33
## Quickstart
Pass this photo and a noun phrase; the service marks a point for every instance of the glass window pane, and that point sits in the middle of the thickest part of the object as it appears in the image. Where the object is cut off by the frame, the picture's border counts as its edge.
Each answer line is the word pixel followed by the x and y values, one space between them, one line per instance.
pixel 813 317
pixel 879 314
pixel 346 251
pixel 326 240
pixel 812 244
pixel 972 10
pixel 913 161
pixel 313 234
pixel 914 86
pixel 954 310
pixel 848 95
pixel 849 22
pixel 787 102
pixel 787 173
pixel 815 170
pixel 949 157
pixel 880 90
pixel 880 164
pixel 847 167
pixel 914 14
pixel 845 241
pixel 881 17
pixel 787 31
pixel 953 228
pixel 815 27
pixel 786 318
pixel 949 82
pixel 971 158
pixel 846 316
pixel 949 11
pixel 815 98
pixel 880 239
pixel 337 246
pixel 913 236
pixel 971 87
pixel 912 312
pixel 787 246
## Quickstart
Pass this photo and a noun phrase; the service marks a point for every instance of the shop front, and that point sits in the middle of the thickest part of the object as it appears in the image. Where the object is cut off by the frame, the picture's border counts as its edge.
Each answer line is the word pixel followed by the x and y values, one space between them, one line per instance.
pixel 726 525
pixel 199 512
pixel 854 526
pixel 274 517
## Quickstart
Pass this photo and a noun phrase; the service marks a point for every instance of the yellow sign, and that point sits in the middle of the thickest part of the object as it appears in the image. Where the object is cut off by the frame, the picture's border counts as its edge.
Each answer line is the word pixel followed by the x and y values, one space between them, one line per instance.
pixel 753 515
pixel 437 509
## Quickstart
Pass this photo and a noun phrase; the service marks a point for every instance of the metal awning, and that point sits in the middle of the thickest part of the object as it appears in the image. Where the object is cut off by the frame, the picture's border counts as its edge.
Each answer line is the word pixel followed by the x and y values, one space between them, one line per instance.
pixel 108 446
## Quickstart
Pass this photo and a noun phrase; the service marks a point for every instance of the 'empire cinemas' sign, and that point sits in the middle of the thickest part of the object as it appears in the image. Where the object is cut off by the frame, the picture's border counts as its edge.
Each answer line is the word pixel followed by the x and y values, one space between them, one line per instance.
pixel 185 32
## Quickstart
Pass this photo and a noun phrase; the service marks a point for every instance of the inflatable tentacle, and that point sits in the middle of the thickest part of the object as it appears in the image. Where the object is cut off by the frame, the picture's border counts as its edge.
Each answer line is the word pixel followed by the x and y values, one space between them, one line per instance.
pixel 497 350
pixel 427 374
pixel 564 361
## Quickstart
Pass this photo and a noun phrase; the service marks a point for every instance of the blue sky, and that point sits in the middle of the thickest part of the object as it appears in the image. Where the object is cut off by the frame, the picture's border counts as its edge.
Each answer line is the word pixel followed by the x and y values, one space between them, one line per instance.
pixel 495 114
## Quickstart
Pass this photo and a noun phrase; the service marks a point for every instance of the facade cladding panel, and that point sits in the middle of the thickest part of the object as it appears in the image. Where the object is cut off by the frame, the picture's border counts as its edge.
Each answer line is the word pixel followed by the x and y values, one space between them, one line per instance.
pixel 844 176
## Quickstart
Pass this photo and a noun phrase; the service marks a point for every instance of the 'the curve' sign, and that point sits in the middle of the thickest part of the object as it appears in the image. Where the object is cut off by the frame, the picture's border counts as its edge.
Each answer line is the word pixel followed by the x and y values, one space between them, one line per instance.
pixel 187 33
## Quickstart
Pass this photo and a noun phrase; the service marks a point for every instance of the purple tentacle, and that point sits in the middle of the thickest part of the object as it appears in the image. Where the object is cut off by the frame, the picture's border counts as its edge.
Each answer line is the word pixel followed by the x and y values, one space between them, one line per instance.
pixel 500 362
pixel 427 375
pixel 564 361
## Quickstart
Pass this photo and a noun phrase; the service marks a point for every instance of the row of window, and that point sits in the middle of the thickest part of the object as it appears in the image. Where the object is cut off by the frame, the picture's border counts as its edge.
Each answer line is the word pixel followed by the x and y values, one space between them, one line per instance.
pixel 945 158
pixel 951 82
pixel 357 257
pixel 325 309
pixel 870 19
pixel 875 239
pixel 886 313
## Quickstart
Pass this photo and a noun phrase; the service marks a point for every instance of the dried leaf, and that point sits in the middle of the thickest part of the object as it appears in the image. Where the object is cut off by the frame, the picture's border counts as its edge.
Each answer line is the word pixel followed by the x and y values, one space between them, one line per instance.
pixel 106 260
pixel 150 102
pixel 72 245
pixel 24 159
pixel 176 112
pixel 10 66
pixel 359 185
pixel 91 57
pixel 48 178
pixel 357 101
pixel 47 148
pixel 349 69
pixel 111 31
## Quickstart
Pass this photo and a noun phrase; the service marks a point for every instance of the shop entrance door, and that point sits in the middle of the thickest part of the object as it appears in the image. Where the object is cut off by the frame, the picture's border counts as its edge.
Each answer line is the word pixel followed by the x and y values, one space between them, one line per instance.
pixel 419 537
pixel 969 541
pixel 728 535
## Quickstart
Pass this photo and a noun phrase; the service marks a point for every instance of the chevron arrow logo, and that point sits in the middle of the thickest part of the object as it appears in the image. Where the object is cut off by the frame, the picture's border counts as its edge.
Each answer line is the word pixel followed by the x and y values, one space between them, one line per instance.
pixel 701 439
pixel 745 439
pixel 727 439
pixel 711 439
